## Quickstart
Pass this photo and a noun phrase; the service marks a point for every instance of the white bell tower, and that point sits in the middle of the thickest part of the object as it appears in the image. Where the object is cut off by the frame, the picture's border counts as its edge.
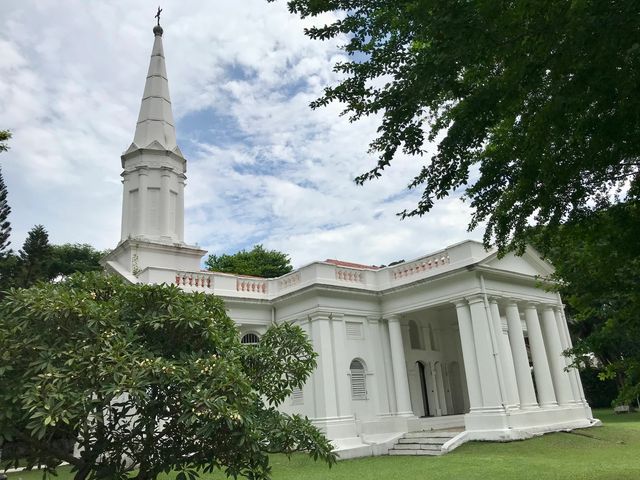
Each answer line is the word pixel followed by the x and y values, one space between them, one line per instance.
pixel 153 179
pixel 154 167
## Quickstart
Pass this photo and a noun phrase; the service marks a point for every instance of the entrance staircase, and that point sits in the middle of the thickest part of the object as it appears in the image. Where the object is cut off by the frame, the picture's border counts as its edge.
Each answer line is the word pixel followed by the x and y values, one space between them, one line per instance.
pixel 426 442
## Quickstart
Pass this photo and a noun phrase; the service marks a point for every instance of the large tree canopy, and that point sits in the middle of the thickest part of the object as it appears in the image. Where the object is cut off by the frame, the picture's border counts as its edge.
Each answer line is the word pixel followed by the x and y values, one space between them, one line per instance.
pixel 257 262
pixel 534 104
pixel 146 379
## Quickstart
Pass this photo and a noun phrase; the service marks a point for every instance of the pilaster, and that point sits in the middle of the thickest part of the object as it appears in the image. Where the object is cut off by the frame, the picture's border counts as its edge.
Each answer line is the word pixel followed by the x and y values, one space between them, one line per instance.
pixel 143 192
pixel 165 197
pixel 324 381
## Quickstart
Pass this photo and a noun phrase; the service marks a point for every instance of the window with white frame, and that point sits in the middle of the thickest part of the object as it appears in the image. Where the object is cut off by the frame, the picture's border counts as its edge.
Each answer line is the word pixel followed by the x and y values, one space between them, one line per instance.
pixel 358 373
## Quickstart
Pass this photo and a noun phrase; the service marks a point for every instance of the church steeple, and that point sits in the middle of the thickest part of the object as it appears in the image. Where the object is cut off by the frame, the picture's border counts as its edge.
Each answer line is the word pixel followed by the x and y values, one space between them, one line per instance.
pixel 152 247
pixel 154 167
pixel 155 128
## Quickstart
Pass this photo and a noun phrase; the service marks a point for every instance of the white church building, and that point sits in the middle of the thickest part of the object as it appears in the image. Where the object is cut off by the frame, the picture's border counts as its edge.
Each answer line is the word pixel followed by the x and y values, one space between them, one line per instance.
pixel 418 357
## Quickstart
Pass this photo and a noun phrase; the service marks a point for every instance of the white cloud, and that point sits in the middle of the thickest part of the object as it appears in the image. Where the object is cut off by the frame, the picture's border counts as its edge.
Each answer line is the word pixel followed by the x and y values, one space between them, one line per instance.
pixel 263 167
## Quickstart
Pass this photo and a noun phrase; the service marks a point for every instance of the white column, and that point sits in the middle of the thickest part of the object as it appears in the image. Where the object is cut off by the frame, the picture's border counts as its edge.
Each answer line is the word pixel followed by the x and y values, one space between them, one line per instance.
pixel 526 389
pixel 401 381
pixel 506 360
pixel 560 379
pixel 567 336
pixel 544 384
pixel 143 191
pixel 324 382
pixel 342 360
pixel 566 344
pixel 125 207
pixel 469 355
pixel 165 194
pixel 492 394
pixel 180 209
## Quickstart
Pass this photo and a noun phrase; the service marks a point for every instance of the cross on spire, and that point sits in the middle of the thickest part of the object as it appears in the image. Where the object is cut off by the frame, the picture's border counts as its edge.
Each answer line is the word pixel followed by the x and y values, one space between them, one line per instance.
pixel 157 15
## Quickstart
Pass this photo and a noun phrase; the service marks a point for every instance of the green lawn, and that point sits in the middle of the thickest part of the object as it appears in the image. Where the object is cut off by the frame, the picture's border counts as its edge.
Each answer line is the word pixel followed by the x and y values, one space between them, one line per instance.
pixel 611 452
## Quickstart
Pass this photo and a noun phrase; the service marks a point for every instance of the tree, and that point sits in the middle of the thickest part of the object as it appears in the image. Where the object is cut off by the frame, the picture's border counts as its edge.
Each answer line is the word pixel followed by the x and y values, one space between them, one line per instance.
pixel 147 379
pixel 5 210
pixel 533 104
pixel 35 257
pixel 257 262
pixel 597 262
pixel 5 225
pixel 70 258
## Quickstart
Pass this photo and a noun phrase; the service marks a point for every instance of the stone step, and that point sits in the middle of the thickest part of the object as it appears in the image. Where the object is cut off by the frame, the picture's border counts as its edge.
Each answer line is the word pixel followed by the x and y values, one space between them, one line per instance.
pixel 428 440
pixel 417 446
pixel 431 453
pixel 432 434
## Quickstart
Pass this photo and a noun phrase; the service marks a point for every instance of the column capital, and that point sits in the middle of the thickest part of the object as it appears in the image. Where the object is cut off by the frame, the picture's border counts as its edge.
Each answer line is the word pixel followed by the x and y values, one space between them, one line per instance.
pixel 547 306
pixel 315 316
pixel 511 301
pixel 393 318
pixel 338 317
pixel 475 298
pixel 460 302
pixel 530 304
pixel 494 299
pixel 373 319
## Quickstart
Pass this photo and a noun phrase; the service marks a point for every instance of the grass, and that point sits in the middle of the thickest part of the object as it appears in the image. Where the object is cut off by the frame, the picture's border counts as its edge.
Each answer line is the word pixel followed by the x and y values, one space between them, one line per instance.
pixel 611 452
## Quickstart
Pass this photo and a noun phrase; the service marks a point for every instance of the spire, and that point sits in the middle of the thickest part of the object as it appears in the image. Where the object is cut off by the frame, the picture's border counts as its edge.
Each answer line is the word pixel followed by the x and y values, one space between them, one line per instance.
pixel 155 128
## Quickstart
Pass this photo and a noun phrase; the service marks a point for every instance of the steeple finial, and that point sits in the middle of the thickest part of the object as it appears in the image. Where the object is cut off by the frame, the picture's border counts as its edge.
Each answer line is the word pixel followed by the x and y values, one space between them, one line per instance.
pixel 157 30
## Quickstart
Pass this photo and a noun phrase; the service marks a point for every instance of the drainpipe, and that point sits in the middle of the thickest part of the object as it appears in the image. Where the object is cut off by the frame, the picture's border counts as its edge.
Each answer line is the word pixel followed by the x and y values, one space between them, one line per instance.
pixel 494 347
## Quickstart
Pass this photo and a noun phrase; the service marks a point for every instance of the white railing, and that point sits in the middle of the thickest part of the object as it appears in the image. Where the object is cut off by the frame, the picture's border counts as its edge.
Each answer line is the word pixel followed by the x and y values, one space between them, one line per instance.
pixel 195 280
pixel 349 275
pixel 289 280
pixel 225 284
pixel 251 285
pixel 421 265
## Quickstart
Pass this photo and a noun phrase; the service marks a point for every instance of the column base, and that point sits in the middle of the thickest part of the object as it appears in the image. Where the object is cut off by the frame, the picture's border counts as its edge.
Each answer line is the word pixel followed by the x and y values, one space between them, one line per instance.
pixel 336 427
pixel 404 414
pixel 533 420
pixel 530 406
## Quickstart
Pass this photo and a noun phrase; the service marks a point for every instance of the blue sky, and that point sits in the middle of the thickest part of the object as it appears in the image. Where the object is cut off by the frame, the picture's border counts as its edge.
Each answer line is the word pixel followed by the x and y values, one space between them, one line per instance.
pixel 263 167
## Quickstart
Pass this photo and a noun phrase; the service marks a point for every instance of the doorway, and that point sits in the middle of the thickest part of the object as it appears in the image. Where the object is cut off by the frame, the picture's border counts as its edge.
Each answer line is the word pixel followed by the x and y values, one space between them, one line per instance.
pixel 423 388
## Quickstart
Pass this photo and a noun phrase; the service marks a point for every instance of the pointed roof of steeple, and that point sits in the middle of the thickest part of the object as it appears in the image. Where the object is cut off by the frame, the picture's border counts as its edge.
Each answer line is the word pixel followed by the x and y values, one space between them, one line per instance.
pixel 155 128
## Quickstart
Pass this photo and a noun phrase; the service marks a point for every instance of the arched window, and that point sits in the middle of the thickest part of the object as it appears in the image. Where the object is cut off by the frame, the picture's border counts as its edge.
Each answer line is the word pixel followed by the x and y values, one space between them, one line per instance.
pixel 250 339
pixel 414 336
pixel 358 380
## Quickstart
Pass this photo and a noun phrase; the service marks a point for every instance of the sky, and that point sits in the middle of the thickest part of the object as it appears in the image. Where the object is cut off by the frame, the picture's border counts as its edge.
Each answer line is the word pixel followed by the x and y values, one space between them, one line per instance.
pixel 262 166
